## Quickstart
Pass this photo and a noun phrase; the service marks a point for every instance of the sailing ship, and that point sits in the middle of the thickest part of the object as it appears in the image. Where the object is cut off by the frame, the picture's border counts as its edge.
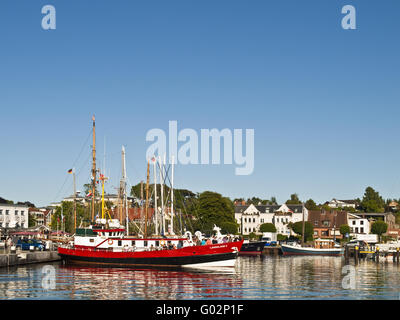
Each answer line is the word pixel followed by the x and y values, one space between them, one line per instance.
pixel 107 241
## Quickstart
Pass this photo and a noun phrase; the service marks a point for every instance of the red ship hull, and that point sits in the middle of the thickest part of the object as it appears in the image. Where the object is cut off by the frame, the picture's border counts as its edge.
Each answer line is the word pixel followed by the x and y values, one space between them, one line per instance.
pixel 222 254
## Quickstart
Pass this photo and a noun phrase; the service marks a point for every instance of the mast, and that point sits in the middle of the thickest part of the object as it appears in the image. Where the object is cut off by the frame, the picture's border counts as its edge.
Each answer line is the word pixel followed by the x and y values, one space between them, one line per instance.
pixel 155 195
pixel 93 167
pixel 162 197
pixel 125 202
pixel 172 197
pixel 73 173
pixel 303 229
pixel 147 198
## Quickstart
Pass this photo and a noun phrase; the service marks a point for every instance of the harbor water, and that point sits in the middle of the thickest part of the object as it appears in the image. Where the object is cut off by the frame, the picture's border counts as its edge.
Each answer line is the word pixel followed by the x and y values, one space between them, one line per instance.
pixel 256 278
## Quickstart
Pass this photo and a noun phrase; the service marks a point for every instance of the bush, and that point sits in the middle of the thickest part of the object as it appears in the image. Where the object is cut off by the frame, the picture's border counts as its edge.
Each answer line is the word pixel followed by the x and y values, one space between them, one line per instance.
pixel 267 227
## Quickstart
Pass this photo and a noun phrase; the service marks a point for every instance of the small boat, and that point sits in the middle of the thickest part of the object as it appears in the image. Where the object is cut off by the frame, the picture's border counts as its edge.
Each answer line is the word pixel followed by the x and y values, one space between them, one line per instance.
pixel 321 248
pixel 252 248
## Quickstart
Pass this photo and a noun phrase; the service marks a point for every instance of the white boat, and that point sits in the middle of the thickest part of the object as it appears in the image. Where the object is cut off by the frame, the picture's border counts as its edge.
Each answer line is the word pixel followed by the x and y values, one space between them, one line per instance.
pixel 321 247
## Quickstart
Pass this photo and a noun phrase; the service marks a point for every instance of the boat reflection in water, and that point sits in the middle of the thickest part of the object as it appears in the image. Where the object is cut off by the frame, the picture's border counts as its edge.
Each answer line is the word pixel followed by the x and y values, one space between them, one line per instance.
pixel 155 284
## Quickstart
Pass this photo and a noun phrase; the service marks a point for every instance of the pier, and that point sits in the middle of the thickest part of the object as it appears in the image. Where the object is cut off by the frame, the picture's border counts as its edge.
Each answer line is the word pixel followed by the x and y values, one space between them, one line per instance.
pixel 272 250
pixel 27 257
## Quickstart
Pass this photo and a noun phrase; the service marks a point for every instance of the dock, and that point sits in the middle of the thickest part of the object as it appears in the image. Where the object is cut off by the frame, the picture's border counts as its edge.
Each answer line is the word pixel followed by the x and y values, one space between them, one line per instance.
pixel 272 250
pixel 27 257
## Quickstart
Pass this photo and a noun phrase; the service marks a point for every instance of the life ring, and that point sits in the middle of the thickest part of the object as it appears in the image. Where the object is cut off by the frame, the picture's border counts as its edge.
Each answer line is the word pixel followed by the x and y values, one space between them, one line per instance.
pixel 110 242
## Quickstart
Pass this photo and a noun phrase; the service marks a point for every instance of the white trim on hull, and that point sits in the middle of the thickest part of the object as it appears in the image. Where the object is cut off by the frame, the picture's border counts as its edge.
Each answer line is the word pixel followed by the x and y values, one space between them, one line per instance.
pixel 213 264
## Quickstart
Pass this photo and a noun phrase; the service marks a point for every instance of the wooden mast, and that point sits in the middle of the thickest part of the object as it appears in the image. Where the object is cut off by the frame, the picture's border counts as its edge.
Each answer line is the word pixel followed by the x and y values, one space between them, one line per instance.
pixel 93 167
pixel 147 198
pixel 73 172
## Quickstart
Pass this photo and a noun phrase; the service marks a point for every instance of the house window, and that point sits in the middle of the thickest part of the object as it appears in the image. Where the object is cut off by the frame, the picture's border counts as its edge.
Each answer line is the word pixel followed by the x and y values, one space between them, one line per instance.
pixel 356 230
pixel 16 212
pixel 1 212
pixel 354 222
pixel 22 213
pixel 361 230
pixel 315 222
pixel 326 223
pixel 254 219
pixel 362 222
pixel 7 212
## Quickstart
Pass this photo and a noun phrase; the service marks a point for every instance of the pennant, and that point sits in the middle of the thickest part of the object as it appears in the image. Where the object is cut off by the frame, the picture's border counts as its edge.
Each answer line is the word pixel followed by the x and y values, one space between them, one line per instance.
pixel 70 171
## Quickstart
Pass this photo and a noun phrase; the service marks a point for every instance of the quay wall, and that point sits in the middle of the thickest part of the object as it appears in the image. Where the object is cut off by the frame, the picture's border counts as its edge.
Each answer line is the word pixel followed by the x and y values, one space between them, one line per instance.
pixel 22 258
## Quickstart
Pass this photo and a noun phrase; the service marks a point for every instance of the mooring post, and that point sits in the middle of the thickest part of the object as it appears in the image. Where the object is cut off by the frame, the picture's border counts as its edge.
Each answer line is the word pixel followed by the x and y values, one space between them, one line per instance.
pixel 356 254
pixel 397 254
pixel 377 254
pixel 346 254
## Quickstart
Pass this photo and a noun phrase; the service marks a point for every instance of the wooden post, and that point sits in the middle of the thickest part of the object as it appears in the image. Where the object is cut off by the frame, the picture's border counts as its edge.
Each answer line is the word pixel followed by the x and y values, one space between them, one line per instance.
pixel 397 254
pixel 377 254
pixel 356 254
pixel 346 254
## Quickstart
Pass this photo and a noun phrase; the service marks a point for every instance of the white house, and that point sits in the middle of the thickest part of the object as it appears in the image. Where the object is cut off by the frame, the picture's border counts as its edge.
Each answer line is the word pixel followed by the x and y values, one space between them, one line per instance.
pixel 334 203
pixel 14 216
pixel 251 217
pixel 357 224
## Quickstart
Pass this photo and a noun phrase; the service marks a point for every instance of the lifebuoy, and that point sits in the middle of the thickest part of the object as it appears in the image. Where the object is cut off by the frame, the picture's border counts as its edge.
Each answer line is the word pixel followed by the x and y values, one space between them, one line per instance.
pixel 110 242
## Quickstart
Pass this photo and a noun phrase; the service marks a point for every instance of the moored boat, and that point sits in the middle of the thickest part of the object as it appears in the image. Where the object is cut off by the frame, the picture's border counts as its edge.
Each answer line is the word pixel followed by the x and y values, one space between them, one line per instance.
pixel 252 248
pixel 321 248
pixel 107 242
pixel 108 246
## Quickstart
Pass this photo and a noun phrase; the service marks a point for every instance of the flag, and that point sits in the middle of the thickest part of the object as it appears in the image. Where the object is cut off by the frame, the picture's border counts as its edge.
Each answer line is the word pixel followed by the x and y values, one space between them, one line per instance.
pixel 89 194
pixel 70 171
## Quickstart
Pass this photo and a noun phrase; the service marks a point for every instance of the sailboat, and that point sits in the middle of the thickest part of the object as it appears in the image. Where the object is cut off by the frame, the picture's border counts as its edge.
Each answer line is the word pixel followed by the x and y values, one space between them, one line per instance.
pixel 107 242
pixel 321 247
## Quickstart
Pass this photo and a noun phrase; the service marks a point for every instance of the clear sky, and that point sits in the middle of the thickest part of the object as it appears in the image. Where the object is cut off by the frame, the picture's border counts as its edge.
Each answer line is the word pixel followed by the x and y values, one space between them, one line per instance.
pixel 323 101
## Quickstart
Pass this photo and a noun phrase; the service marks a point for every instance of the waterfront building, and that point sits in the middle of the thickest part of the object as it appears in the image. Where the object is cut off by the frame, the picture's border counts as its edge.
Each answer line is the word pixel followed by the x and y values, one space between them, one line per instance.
pixel 251 217
pixel 358 224
pixel 14 216
pixel 37 216
pixel 327 223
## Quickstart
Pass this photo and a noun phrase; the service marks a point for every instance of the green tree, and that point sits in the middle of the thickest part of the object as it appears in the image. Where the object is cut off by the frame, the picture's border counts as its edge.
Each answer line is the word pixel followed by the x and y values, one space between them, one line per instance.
pixel 372 201
pixel 83 214
pixel 267 227
pixel 212 208
pixel 294 199
pixel 311 205
pixel 379 227
pixel 344 229
pixel 297 227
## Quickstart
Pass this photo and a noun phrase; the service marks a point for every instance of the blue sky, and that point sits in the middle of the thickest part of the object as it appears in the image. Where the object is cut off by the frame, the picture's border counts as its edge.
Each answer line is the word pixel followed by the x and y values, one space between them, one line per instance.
pixel 323 101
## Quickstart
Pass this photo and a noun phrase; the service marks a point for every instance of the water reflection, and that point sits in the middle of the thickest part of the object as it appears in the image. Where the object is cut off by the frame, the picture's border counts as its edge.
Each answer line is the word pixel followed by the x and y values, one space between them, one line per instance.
pixel 253 278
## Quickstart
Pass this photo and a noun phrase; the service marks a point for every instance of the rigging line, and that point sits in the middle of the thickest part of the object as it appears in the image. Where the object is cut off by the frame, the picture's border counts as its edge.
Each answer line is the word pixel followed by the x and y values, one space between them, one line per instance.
pixel 72 166
pixel 84 145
